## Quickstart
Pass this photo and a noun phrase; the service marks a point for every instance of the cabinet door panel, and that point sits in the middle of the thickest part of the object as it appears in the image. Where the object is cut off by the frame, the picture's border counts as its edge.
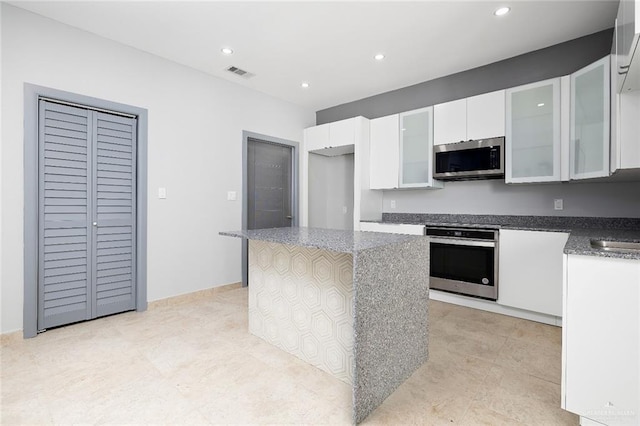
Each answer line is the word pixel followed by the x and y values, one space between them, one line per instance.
pixel 601 338
pixel 416 148
pixel 590 103
pixel 342 132
pixel 486 115
pixel 533 133
pixel 450 122
pixel 531 270
pixel 316 137
pixel 629 148
pixel 385 152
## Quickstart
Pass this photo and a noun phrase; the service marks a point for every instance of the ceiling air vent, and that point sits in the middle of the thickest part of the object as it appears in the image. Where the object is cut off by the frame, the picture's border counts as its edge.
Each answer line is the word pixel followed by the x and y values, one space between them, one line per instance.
pixel 242 73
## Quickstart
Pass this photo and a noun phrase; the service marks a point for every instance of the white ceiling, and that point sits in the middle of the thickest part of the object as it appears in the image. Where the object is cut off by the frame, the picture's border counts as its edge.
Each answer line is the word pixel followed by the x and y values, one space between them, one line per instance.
pixel 331 44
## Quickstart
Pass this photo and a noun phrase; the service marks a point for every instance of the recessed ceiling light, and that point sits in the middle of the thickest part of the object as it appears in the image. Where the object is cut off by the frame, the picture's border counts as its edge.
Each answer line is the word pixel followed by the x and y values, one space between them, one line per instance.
pixel 379 57
pixel 226 50
pixel 304 85
pixel 502 11
pixel 541 104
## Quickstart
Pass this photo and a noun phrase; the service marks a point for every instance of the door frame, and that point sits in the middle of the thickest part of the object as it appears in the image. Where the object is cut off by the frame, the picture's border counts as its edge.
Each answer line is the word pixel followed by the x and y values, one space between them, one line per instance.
pixel 295 159
pixel 32 95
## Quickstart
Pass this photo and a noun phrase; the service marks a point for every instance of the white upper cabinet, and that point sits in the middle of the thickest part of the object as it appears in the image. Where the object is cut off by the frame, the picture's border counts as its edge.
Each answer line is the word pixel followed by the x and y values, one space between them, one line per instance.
pixel 332 138
pixel 559 129
pixel 385 152
pixel 416 149
pixel 625 149
pixel 626 53
pixel 477 117
pixel 533 132
pixel 485 115
pixel 316 137
pixel 342 132
pixel 590 115
pixel 450 122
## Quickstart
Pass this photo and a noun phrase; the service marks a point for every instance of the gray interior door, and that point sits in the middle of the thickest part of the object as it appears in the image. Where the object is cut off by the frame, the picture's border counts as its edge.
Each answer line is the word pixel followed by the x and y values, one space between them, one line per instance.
pixel 64 273
pixel 114 213
pixel 269 190
pixel 269 175
pixel 86 239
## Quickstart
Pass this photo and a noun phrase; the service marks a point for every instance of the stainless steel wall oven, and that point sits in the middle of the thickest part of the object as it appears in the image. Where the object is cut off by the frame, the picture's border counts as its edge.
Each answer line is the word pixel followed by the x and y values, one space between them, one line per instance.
pixel 464 261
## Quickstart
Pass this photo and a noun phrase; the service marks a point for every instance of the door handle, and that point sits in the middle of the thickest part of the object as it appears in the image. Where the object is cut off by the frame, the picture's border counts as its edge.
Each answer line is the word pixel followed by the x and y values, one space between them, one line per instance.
pixel 95 223
pixel 289 217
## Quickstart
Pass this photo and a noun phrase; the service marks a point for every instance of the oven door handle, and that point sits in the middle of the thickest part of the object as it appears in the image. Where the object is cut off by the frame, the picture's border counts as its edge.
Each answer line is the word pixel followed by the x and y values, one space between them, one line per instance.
pixel 455 242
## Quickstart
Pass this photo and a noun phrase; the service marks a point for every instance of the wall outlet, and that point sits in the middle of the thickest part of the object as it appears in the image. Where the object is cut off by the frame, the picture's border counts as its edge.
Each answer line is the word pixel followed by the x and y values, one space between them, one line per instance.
pixel 344 209
pixel 393 204
pixel 162 193
pixel 232 196
pixel 558 204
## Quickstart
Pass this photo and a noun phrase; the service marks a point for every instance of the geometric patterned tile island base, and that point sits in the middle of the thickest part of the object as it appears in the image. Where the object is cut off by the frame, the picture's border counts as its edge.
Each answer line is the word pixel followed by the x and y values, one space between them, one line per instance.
pixel 301 300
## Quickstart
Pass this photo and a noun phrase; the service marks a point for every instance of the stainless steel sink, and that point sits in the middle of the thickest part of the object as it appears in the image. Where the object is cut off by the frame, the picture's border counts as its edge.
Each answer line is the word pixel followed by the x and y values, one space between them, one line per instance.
pixel 624 246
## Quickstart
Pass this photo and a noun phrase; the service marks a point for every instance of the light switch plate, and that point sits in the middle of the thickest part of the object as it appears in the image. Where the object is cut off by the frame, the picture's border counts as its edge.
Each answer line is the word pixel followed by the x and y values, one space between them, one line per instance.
pixel 162 193
pixel 232 196
pixel 393 204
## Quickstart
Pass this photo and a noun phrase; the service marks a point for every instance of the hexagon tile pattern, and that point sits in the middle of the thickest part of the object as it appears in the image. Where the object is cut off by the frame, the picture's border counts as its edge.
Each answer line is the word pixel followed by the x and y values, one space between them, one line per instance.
pixel 300 300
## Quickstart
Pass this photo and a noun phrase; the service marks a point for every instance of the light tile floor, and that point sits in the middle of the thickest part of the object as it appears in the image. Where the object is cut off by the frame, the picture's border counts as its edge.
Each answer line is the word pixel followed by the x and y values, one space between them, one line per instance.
pixel 195 363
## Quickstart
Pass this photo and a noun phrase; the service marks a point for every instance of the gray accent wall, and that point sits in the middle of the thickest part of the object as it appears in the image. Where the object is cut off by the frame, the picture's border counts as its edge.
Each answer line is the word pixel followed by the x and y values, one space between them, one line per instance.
pixel 554 61
pixel 607 199
pixel 602 199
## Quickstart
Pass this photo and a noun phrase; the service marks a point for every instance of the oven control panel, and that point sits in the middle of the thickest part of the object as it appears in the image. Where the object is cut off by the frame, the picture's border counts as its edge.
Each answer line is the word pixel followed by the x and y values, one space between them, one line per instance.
pixel 471 234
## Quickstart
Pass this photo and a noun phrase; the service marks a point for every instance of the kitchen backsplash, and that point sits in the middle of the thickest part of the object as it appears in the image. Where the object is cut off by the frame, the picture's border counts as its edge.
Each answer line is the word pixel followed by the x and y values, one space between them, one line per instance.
pixel 533 222
pixel 494 197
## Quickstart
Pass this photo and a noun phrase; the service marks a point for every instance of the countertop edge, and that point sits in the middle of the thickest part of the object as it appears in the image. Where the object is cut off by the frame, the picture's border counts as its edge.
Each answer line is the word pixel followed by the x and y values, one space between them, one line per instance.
pixel 578 243
pixel 316 240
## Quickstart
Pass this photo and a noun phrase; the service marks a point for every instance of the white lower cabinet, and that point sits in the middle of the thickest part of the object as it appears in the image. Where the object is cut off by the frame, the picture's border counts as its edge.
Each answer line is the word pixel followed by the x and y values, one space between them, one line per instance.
pixel 600 341
pixel 530 270
pixel 393 228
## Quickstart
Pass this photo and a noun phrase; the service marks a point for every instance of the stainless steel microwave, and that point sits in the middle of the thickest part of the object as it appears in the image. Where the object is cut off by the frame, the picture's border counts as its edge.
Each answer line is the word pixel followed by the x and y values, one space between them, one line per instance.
pixel 474 159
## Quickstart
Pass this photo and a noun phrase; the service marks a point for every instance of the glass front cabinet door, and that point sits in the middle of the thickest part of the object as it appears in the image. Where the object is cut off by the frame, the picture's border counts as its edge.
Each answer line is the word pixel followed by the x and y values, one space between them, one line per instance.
pixel 416 149
pixel 533 133
pixel 589 139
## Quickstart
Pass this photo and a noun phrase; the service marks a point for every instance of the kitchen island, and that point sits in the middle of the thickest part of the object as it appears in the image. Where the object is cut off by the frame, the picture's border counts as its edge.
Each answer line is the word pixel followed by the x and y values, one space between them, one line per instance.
pixel 353 304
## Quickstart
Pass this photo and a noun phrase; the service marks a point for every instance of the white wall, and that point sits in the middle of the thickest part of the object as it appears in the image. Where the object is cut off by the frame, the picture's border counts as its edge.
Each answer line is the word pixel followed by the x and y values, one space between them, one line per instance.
pixel 195 140
pixel 1 149
pixel 611 199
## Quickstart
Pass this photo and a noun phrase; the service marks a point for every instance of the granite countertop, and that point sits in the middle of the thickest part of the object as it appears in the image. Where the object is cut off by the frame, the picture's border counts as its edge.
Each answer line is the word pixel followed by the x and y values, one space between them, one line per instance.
pixel 581 229
pixel 579 242
pixel 327 239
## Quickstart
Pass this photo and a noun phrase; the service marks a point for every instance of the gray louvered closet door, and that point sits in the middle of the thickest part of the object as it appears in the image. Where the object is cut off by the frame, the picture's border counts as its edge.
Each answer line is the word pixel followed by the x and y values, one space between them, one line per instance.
pixel 87 214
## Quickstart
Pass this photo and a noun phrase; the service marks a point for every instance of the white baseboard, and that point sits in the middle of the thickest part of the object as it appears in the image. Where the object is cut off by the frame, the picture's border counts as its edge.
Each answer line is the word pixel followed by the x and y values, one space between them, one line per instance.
pixel 487 305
